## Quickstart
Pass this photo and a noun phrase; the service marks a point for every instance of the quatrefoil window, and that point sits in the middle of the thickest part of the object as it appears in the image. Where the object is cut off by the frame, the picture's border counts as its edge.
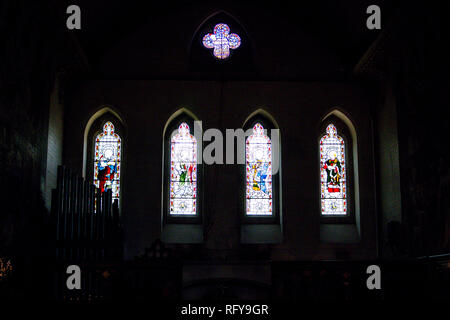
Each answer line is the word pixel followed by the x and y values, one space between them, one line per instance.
pixel 222 41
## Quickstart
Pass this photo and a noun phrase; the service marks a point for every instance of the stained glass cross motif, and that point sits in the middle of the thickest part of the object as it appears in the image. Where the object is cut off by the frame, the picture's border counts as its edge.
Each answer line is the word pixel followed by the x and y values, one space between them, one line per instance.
pixel 183 172
pixel 258 154
pixel 222 41
pixel 332 173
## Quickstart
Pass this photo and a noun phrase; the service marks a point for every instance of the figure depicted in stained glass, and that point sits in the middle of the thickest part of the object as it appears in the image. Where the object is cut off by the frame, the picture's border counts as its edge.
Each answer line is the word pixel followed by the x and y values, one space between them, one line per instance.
pixel 259 172
pixel 260 176
pixel 222 41
pixel 186 173
pixel 333 179
pixel 107 160
pixel 183 175
pixel 333 168
pixel 107 167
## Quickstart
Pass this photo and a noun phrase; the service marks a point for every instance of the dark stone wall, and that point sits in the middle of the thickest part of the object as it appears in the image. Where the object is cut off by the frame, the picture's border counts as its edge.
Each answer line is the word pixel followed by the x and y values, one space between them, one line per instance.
pixel 33 47
pixel 415 64
pixel 55 141
pixel 423 96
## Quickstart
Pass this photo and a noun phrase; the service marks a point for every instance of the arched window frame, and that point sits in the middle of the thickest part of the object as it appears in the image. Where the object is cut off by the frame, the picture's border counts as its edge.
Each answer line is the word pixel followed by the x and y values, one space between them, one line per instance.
pixel 96 128
pixel 171 127
pixel 344 133
pixel 201 59
pixel 268 124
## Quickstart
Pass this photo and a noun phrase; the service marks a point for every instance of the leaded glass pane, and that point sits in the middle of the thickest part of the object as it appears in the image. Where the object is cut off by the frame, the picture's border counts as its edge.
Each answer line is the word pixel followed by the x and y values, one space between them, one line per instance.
pixel 332 173
pixel 183 172
pixel 222 41
pixel 258 155
pixel 107 161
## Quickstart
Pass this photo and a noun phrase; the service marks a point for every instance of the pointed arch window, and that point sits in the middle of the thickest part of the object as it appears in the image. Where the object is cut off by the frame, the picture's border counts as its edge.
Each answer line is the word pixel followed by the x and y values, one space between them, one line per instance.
pixel 260 198
pixel 107 160
pixel 182 177
pixel 333 175
pixel 339 183
pixel 258 155
pixel 183 172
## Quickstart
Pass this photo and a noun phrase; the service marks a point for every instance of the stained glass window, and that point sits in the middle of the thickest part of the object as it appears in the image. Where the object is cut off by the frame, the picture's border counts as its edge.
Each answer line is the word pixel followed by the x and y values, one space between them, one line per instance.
pixel 332 173
pixel 222 41
pixel 183 172
pixel 107 161
pixel 258 155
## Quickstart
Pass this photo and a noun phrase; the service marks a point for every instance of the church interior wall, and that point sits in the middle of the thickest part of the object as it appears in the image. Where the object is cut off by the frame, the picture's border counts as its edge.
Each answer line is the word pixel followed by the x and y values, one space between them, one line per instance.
pixel 297 107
